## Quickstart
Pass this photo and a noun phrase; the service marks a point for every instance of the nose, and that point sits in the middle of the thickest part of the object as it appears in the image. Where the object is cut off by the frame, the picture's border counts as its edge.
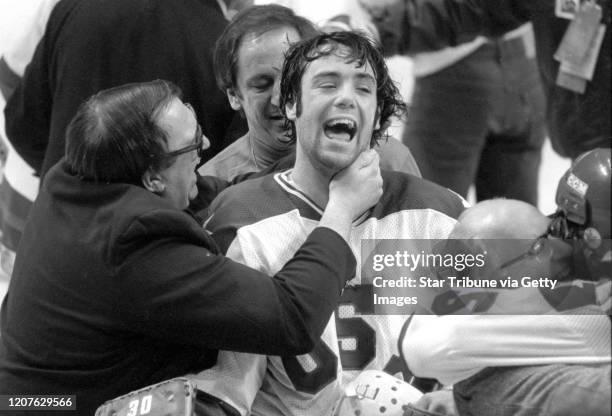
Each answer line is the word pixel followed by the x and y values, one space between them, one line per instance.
pixel 205 142
pixel 275 100
pixel 200 152
pixel 345 97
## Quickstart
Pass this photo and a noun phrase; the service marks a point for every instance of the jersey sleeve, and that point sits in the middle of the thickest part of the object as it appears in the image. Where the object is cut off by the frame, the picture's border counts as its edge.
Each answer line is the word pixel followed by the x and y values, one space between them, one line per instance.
pixel 236 377
pixel 215 302
pixel 453 347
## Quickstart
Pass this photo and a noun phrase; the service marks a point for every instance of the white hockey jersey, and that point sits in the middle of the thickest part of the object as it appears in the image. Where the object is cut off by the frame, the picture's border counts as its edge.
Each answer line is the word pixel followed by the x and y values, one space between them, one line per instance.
pixel 262 223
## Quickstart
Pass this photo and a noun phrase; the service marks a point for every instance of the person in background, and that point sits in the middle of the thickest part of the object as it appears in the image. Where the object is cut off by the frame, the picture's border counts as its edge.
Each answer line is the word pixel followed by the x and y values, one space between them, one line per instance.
pixel 116 286
pixel 248 59
pixel 478 109
pixel 90 45
pixel 577 91
pixel 18 184
pixel 478 117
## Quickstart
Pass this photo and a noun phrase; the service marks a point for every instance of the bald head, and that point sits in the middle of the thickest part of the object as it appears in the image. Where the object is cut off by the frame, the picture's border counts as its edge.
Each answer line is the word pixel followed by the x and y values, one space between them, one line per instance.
pixel 500 218
pixel 505 227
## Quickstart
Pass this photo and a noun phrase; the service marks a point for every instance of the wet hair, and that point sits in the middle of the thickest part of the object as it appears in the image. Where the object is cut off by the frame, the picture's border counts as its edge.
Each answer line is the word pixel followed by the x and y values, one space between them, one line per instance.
pixel 353 46
pixel 114 136
pixel 254 20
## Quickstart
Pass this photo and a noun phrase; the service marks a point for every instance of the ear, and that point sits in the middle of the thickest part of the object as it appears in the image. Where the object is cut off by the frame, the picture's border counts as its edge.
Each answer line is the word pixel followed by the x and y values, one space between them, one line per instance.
pixel 291 111
pixel 153 182
pixel 233 98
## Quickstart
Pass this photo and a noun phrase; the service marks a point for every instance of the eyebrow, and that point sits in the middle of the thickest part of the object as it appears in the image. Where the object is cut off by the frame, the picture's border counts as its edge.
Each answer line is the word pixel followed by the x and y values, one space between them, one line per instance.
pixel 262 76
pixel 334 74
pixel 326 74
pixel 368 77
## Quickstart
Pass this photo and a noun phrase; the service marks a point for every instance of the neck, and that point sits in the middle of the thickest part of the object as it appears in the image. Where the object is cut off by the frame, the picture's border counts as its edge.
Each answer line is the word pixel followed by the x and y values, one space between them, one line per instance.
pixel 311 180
pixel 268 151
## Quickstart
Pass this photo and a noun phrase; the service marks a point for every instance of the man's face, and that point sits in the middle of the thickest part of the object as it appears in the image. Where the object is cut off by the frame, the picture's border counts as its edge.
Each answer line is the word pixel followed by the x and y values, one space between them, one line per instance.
pixel 258 72
pixel 338 112
pixel 178 181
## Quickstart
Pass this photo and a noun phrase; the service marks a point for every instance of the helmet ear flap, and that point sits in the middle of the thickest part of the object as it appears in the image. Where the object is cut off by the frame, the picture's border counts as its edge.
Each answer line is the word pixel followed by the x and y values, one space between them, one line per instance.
pixel 583 193
pixel 592 238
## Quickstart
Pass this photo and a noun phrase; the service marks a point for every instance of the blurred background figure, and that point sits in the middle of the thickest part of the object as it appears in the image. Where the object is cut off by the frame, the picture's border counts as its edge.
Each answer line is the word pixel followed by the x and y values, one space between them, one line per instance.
pixel 573 58
pixel 478 117
pixel 91 45
pixel 18 183
pixel 478 109
pixel 320 12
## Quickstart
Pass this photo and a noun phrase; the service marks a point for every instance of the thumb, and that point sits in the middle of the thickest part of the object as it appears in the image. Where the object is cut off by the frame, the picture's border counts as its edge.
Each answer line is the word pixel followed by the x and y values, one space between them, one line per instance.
pixel 367 157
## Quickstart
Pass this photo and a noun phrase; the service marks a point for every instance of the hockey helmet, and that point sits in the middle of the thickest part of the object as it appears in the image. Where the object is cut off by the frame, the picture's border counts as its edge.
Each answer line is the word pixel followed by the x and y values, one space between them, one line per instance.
pixel 583 195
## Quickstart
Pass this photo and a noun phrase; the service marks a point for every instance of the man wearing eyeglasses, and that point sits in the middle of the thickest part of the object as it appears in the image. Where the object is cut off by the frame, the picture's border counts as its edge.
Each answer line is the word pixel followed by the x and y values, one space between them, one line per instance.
pixel 116 287
pixel 177 181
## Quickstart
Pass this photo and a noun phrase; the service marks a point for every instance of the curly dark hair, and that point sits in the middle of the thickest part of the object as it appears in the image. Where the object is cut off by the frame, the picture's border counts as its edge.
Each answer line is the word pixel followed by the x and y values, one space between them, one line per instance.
pixel 361 49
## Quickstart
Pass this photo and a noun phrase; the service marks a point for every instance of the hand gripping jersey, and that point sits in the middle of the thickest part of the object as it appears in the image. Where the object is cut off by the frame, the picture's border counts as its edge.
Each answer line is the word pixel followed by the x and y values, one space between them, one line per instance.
pixel 262 223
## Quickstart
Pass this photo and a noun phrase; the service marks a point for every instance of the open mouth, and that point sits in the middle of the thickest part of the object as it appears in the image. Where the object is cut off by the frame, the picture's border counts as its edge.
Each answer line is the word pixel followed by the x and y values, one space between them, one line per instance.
pixel 340 129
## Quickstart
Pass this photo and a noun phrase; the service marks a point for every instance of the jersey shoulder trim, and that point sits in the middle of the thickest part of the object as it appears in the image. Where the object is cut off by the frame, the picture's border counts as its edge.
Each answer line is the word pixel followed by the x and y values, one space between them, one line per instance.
pixel 402 191
pixel 254 200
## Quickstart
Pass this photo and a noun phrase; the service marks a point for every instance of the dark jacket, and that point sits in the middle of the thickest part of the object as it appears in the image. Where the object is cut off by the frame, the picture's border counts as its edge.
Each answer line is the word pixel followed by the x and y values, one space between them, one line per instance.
pixel 113 290
pixel 90 45
pixel 576 122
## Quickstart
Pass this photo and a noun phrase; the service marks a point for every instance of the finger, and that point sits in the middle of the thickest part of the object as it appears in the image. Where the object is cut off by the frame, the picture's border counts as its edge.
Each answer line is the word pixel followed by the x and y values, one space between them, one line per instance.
pixel 367 157
pixel 423 402
pixel 438 408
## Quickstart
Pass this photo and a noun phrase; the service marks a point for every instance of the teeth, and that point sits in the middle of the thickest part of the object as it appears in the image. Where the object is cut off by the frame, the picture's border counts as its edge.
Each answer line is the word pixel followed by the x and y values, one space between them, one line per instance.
pixel 348 122
pixel 339 127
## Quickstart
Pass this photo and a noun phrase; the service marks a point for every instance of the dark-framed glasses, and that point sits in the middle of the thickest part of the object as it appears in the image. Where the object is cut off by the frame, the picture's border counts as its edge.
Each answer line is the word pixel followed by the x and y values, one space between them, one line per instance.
pixel 535 249
pixel 558 228
pixel 197 145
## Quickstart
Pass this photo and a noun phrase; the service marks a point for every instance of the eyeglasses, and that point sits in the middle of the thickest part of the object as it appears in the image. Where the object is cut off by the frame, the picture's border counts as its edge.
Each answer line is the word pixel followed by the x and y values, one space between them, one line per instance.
pixel 199 141
pixel 535 249
pixel 558 228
